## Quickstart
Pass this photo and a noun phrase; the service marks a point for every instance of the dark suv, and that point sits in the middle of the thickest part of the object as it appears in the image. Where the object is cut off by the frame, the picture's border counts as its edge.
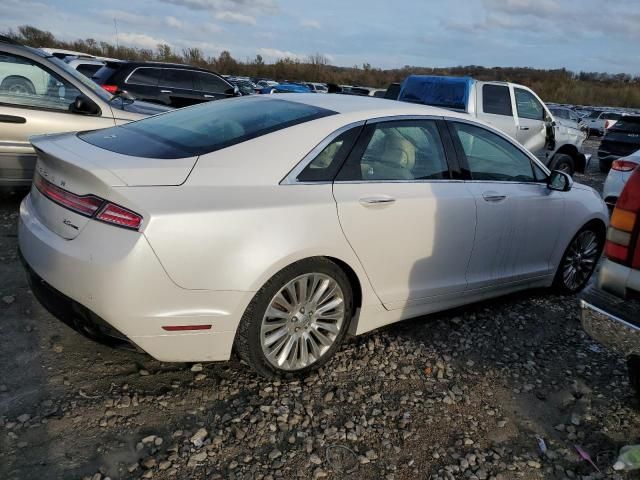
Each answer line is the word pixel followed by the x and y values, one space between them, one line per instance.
pixel 170 84
pixel 620 140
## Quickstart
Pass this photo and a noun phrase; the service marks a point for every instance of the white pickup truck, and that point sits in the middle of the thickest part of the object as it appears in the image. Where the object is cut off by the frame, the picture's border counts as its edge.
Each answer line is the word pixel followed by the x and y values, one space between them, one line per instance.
pixel 514 109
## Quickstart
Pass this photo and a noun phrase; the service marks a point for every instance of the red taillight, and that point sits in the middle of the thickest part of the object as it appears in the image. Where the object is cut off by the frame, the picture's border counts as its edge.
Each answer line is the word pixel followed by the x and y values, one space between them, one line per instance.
pixel 117 215
pixel 623 165
pixel 623 237
pixel 88 205
pixel 112 89
pixel 85 205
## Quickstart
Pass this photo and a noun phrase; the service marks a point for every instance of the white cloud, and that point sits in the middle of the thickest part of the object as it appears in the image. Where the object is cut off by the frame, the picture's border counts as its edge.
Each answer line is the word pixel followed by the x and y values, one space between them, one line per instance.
pixel 310 24
pixel 257 7
pixel 140 40
pixel 536 8
pixel 275 54
pixel 125 17
pixel 235 17
pixel 173 22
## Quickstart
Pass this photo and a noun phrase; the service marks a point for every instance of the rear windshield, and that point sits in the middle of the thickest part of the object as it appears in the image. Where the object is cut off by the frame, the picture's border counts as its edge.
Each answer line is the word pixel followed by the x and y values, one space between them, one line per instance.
pixel 203 128
pixel 627 124
pixel 103 75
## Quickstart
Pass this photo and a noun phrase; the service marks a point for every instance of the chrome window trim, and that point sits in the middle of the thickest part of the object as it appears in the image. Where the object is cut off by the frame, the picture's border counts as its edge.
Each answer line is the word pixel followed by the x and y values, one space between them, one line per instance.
pixel 506 137
pixel 126 80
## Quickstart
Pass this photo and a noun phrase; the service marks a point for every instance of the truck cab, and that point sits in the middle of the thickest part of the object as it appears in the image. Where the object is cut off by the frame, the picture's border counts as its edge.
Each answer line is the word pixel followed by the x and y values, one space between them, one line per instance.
pixel 514 109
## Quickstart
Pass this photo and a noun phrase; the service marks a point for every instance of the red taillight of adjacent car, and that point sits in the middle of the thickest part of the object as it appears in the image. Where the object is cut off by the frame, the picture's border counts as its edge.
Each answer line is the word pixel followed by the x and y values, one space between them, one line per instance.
pixel 623 237
pixel 90 206
pixel 623 165
pixel 112 89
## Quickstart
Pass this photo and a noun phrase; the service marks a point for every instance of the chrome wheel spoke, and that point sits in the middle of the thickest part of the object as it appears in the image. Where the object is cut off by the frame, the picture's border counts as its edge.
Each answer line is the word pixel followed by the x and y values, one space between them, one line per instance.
pixel 302 321
pixel 581 259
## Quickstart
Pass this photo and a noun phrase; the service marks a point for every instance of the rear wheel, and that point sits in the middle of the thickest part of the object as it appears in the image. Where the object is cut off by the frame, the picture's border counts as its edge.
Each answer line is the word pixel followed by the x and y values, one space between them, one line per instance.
pixel 579 260
pixel 297 321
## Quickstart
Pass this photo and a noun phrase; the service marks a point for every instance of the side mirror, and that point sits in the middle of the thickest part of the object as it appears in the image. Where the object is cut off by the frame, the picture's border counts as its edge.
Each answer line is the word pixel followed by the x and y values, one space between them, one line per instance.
pixel 84 106
pixel 560 181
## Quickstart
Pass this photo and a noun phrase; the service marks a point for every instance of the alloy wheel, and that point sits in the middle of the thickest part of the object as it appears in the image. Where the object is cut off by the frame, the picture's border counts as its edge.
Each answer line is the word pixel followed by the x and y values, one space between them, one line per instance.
pixel 302 321
pixel 580 260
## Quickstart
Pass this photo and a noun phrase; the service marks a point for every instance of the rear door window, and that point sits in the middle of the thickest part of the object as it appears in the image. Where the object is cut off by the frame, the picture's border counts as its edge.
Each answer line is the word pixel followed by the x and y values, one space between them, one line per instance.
pixel 398 150
pixel 145 76
pixel 496 99
pixel 177 78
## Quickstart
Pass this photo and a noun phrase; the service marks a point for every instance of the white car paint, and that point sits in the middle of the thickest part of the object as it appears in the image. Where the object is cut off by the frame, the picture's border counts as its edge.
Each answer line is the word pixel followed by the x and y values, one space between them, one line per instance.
pixel 617 179
pixel 216 228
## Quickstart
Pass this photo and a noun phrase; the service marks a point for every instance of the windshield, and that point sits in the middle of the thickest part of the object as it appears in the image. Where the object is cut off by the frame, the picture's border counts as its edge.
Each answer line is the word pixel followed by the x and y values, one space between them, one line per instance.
pixel 203 128
pixel 95 88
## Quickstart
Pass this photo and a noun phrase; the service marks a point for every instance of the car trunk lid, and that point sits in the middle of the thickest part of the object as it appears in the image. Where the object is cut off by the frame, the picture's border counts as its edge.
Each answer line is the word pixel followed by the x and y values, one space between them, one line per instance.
pixel 85 171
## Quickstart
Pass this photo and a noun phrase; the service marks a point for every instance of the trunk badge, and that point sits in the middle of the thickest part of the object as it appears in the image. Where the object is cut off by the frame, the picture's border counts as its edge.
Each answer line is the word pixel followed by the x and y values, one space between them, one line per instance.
pixel 69 224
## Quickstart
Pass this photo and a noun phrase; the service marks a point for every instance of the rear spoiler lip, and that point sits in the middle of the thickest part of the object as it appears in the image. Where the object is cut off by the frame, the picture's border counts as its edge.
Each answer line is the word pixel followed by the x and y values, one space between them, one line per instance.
pixel 49 144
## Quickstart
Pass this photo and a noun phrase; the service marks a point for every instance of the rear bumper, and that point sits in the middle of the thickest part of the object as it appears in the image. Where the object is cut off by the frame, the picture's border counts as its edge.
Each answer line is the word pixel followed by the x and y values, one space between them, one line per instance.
pixel 611 321
pixel 110 278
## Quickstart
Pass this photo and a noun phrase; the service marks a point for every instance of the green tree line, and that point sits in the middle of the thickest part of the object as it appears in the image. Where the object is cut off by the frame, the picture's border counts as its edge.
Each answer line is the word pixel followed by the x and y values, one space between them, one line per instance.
pixel 559 85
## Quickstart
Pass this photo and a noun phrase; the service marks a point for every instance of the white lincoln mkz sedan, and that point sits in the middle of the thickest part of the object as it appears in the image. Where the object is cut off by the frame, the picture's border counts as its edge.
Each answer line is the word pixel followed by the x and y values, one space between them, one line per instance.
pixel 272 226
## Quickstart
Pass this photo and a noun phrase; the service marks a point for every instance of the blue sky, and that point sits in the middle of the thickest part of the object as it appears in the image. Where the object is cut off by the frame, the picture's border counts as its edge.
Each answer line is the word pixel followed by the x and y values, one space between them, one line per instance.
pixel 581 35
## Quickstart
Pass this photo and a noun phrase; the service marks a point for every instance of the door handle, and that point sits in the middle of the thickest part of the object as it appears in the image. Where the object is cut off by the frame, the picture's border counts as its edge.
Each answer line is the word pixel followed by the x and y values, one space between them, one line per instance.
pixel 524 128
pixel 12 119
pixel 493 197
pixel 166 91
pixel 376 200
pixel 209 96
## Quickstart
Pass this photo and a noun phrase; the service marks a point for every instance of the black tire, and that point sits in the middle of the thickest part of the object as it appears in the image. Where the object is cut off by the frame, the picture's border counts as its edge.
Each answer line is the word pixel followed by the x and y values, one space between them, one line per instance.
pixel 247 341
pixel 564 163
pixel 18 85
pixel 604 166
pixel 560 284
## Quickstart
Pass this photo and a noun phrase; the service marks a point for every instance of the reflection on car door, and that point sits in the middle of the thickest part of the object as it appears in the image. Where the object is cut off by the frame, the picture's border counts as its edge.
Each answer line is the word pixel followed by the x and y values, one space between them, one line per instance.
pixel 176 88
pixel 531 122
pixel 518 217
pixel 41 107
pixel 409 223
pixel 212 87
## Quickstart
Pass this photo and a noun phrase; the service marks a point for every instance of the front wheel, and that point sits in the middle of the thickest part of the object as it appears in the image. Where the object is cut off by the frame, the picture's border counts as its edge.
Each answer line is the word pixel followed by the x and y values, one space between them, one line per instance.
pixel 564 163
pixel 297 321
pixel 579 260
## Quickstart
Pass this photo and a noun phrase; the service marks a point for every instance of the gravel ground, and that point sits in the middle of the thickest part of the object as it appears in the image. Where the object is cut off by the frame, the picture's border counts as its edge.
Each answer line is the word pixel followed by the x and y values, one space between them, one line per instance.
pixel 461 395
